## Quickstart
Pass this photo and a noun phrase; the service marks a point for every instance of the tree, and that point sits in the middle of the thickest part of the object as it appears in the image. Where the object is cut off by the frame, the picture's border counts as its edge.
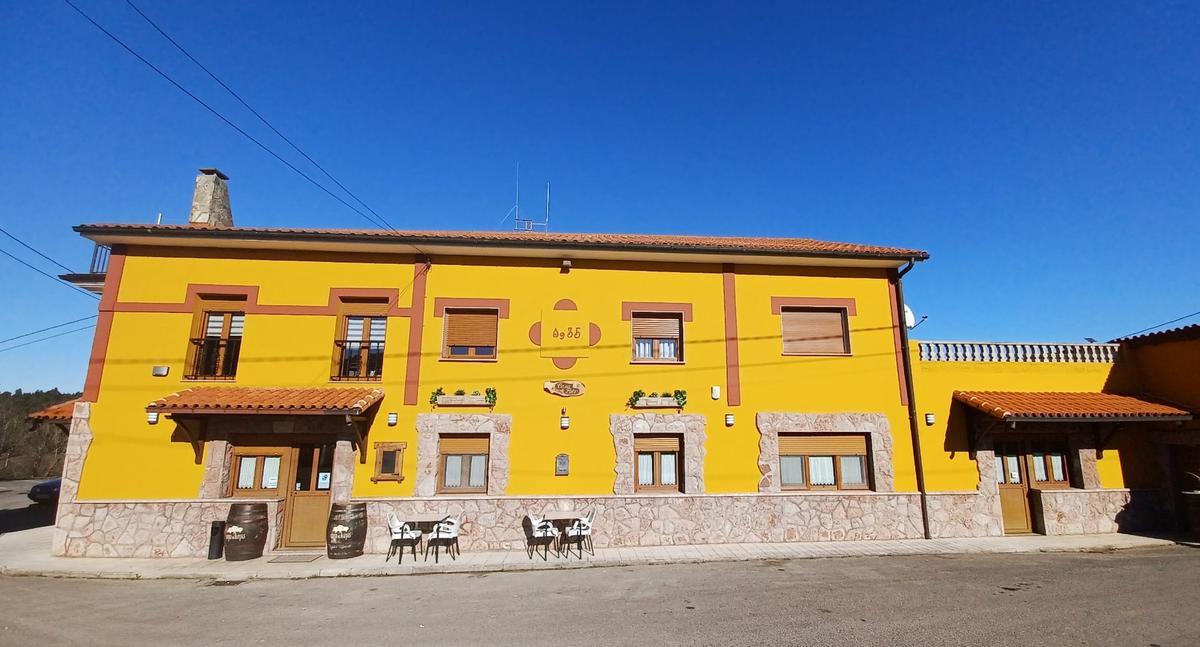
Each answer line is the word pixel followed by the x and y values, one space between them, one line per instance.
pixel 27 452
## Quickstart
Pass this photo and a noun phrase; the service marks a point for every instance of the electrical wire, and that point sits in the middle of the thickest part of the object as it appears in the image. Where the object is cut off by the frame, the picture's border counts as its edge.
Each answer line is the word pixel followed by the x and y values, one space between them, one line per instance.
pixel 50 276
pixel 65 323
pixel 46 338
pixel 31 248
pixel 1165 323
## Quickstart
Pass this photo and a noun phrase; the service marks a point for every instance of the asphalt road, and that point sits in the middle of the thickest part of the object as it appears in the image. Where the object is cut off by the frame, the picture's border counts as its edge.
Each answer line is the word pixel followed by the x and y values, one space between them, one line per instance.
pixel 1130 598
pixel 17 512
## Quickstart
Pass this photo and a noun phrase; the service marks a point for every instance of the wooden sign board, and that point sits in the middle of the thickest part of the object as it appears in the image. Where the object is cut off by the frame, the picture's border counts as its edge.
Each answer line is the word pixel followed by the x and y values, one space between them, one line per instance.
pixel 565 388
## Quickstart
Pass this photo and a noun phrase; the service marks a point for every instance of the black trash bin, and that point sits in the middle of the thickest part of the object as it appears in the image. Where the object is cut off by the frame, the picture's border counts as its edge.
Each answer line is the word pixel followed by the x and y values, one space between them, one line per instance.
pixel 216 540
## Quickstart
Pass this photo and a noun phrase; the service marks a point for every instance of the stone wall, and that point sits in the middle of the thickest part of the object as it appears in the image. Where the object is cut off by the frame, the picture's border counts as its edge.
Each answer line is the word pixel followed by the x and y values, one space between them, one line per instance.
pixel 655 520
pixel 1080 512
pixel 430 427
pixel 691 427
pixel 165 528
pixel 874 425
pixel 969 514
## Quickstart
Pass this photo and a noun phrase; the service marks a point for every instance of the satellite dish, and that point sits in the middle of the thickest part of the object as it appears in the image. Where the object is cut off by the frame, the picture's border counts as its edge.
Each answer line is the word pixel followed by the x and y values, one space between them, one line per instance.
pixel 910 318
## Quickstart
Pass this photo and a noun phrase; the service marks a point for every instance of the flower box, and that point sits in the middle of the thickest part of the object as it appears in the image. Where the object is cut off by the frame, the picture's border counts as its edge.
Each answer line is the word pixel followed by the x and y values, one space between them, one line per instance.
pixel 656 403
pixel 462 401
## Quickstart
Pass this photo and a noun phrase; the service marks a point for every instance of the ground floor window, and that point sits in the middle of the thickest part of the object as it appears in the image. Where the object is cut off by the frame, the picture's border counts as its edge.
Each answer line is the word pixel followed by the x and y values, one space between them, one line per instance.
pixel 658 465
pixel 463 463
pixel 256 471
pixel 389 462
pixel 1041 463
pixel 823 462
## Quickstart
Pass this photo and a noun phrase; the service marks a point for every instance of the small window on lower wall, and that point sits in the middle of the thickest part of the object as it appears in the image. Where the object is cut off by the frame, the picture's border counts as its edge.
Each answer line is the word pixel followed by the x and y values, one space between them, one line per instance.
pixel 389 462
pixel 463 464
pixel 1048 462
pixel 255 472
pixel 658 464
pixel 823 462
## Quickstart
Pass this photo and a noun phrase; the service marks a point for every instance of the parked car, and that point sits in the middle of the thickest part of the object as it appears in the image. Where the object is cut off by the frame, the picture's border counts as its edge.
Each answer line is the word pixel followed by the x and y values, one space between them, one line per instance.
pixel 45 492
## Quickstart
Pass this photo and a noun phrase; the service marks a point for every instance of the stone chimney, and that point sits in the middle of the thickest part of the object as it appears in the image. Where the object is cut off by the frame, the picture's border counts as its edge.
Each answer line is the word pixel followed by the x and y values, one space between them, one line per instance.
pixel 210 202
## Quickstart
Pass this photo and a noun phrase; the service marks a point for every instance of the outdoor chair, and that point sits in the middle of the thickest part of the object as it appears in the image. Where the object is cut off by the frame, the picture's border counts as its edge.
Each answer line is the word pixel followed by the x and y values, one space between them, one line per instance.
pixel 580 532
pixel 402 534
pixel 445 532
pixel 539 532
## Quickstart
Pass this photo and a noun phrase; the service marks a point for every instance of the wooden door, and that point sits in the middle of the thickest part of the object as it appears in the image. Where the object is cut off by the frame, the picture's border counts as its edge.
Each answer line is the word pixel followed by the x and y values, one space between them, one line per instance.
pixel 1012 477
pixel 307 507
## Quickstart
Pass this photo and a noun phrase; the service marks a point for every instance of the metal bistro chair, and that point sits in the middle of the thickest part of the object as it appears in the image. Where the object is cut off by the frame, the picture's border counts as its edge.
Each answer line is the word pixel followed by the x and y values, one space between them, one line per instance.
pixel 444 532
pixel 402 533
pixel 539 532
pixel 580 532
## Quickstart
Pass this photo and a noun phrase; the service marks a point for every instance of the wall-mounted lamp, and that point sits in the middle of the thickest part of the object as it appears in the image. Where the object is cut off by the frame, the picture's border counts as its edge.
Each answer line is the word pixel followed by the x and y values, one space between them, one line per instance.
pixel 566 266
pixel 716 392
pixel 392 418
pixel 152 417
pixel 564 421
pixel 930 419
pixel 160 371
pixel 729 420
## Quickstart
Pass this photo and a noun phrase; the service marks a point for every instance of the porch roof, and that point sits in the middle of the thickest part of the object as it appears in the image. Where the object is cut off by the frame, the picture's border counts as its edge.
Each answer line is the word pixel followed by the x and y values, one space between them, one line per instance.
pixel 61 412
pixel 259 400
pixel 1059 406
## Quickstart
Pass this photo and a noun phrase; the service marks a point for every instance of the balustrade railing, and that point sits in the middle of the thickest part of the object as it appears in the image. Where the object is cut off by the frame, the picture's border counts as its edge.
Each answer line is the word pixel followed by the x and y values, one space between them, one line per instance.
pixel 976 351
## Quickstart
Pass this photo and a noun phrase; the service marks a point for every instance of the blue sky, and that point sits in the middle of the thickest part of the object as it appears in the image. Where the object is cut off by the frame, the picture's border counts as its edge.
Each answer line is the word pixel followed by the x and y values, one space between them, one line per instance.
pixel 1046 154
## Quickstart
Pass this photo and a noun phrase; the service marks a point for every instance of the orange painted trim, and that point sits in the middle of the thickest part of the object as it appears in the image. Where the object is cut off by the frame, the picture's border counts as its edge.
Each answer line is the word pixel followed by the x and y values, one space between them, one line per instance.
pixel 565 304
pixel 894 302
pixel 196 291
pixel 630 307
pixel 108 299
pixel 412 371
pixel 733 369
pixel 441 303
pixel 778 303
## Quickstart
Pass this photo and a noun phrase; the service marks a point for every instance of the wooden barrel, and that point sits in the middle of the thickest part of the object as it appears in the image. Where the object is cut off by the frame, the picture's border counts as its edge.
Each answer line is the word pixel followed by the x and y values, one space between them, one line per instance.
pixel 347 530
pixel 245 531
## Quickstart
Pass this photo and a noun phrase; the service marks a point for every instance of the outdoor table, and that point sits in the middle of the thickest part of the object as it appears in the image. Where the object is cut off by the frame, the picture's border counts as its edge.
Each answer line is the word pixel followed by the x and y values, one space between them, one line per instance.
pixel 561 519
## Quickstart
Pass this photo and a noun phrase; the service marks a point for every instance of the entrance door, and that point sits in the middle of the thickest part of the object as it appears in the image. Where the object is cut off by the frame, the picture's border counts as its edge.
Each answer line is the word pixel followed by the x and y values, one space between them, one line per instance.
pixel 307 508
pixel 1012 477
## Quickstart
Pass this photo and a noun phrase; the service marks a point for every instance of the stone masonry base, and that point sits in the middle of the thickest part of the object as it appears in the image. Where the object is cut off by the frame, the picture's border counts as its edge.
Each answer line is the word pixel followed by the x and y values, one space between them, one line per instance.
pixel 1085 512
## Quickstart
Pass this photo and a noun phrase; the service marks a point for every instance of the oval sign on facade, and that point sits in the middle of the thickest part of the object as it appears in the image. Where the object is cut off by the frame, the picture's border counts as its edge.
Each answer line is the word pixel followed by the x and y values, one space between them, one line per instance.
pixel 565 388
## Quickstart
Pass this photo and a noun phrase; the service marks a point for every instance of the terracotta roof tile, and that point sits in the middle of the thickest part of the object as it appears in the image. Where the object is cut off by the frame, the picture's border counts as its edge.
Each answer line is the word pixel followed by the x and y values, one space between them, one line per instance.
pixel 242 399
pixel 1016 405
pixel 655 242
pixel 1182 333
pixel 61 412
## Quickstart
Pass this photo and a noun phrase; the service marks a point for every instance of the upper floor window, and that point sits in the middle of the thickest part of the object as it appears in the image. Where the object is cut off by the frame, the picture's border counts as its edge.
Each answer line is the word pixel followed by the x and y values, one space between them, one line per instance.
pixel 358 350
pixel 470 333
pixel 815 331
pixel 823 462
pixel 216 347
pixel 657 337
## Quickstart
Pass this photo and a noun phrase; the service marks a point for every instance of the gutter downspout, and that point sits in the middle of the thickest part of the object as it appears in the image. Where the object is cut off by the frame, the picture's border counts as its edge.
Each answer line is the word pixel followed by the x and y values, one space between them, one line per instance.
pixel 913 427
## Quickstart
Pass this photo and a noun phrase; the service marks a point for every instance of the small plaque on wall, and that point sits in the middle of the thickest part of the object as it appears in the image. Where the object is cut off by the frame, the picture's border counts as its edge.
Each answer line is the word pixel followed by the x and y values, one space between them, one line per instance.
pixel 564 388
pixel 562 464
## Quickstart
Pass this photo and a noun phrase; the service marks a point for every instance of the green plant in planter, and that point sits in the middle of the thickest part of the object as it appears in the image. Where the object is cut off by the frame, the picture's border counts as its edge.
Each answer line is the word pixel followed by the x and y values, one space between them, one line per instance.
pixel 633 399
pixel 437 393
pixel 666 393
pixel 460 392
pixel 680 397
pixel 489 395
pixel 653 394
pixel 476 392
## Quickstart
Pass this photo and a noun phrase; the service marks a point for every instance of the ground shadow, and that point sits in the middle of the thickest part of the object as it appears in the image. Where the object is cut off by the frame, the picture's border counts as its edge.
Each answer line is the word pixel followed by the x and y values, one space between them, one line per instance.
pixel 36 515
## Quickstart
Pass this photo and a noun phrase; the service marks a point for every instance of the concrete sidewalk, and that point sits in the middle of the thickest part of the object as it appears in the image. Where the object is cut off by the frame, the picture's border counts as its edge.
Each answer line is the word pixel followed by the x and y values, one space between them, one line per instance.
pixel 27 553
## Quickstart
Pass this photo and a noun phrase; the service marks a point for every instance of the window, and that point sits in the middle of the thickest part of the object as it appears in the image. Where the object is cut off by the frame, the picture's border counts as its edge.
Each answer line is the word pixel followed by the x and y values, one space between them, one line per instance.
pixel 815 331
pixel 358 351
pixel 823 462
pixel 464 464
pixel 470 334
pixel 255 472
pixel 216 346
pixel 389 462
pixel 657 464
pixel 1048 462
pixel 657 337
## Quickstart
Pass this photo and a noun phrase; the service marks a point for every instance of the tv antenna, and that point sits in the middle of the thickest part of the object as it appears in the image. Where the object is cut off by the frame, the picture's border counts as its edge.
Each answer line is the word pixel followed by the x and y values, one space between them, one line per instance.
pixel 522 223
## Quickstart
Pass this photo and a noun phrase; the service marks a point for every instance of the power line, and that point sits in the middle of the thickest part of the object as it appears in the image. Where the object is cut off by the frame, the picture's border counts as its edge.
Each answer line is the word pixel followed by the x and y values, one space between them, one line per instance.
pixel 65 323
pixel 30 248
pixel 225 119
pixel 256 113
pixel 1165 323
pixel 46 338
pixel 49 276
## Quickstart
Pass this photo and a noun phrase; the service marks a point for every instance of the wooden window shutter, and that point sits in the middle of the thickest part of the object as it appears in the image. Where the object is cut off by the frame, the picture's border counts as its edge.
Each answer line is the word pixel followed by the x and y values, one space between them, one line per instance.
pixel 463 444
pixel 822 445
pixel 471 327
pixel 365 307
pixel 657 326
pixel 815 331
pixel 656 443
